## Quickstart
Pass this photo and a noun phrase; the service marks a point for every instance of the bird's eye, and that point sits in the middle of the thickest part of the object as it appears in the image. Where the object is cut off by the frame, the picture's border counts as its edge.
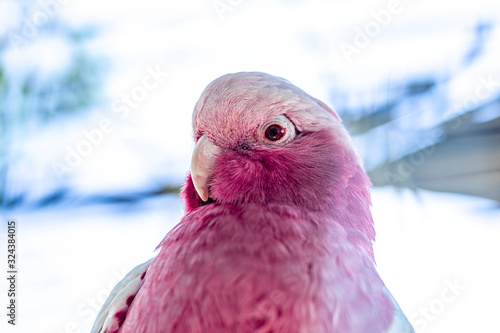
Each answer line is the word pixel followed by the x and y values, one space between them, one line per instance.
pixel 274 132
pixel 277 130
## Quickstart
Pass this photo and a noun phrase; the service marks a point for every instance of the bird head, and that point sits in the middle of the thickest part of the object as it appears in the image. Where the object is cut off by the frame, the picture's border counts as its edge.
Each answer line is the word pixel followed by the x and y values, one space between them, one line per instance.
pixel 261 140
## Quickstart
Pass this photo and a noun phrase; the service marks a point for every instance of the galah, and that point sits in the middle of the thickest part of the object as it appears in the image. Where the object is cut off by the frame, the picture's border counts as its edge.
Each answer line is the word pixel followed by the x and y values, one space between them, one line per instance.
pixel 277 235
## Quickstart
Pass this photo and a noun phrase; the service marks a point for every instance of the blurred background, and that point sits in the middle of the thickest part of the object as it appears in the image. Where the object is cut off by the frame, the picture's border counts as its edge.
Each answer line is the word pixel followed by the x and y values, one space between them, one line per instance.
pixel 95 137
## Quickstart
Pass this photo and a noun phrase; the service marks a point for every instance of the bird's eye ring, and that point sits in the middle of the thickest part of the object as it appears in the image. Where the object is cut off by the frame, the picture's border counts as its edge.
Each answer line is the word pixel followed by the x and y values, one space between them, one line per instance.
pixel 277 130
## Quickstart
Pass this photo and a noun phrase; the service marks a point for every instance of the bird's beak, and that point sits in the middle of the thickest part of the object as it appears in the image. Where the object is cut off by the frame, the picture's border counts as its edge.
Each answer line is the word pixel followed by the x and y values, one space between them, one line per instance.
pixel 203 165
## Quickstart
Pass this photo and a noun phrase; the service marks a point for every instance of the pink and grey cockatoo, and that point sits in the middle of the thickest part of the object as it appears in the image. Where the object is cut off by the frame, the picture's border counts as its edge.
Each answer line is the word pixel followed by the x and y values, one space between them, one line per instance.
pixel 278 233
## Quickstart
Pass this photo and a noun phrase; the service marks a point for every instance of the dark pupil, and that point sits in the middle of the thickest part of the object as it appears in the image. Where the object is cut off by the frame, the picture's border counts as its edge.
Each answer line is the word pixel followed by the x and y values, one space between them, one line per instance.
pixel 275 132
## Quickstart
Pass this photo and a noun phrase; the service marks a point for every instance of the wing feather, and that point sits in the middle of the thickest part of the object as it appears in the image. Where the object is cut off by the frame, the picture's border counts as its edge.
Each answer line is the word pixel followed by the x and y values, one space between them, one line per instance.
pixel 114 310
